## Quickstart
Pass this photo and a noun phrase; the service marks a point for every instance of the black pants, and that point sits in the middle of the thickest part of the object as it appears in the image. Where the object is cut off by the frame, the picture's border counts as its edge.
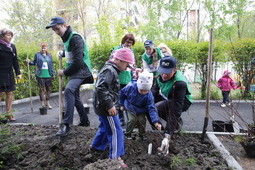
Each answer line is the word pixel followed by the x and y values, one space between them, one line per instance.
pixel 170 110
pixel 225 95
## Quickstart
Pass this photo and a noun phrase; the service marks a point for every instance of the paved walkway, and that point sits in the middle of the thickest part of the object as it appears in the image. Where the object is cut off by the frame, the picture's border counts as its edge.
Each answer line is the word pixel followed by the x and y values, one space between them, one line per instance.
pixel 193 119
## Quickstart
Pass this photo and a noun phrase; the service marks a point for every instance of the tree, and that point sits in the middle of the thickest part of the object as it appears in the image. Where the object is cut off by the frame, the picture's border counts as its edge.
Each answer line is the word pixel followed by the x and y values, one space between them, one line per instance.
pixel 28 19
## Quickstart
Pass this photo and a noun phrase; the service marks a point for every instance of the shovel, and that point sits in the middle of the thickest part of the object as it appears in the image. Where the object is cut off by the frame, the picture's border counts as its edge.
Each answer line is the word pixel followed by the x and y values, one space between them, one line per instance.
pixel 60 93
pixel 30 90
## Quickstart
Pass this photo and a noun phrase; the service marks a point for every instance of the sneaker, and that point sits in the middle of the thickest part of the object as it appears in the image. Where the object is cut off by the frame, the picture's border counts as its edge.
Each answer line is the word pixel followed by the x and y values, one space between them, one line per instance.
pixel 223 105
pixel 122 164
pixel 63 130
pixel 229 104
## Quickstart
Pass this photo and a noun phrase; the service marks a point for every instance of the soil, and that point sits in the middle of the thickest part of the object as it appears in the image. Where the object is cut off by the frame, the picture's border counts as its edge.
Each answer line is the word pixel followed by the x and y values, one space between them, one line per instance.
pixel 41 149
pixel 238 152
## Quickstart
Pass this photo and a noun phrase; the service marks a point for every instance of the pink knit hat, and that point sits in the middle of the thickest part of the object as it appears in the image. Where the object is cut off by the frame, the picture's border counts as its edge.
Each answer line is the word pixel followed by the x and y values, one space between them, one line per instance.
pixel 226 72
pixel 124 54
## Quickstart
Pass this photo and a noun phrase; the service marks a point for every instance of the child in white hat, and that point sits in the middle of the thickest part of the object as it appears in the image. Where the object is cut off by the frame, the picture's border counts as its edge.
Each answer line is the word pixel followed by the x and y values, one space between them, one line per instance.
pixel 138 100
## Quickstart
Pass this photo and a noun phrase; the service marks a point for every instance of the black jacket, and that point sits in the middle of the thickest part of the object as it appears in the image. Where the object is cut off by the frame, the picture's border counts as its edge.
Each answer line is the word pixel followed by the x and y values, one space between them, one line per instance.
pixel 8 61
pixel 106 91
pixel 78 68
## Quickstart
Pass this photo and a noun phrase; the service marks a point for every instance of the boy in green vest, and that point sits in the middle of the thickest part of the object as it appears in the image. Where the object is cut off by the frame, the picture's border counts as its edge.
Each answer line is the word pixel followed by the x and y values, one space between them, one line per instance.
pixel 78 69
pixel 151 57
pixel 172 97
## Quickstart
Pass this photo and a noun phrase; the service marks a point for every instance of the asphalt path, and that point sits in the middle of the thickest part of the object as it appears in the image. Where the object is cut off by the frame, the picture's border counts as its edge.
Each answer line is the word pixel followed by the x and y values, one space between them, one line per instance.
pixel 193 119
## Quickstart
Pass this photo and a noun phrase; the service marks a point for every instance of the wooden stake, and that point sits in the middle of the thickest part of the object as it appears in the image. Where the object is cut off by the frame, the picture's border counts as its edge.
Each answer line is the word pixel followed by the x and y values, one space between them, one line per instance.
pixel 30 89
pixel 60 92
pixel 208 85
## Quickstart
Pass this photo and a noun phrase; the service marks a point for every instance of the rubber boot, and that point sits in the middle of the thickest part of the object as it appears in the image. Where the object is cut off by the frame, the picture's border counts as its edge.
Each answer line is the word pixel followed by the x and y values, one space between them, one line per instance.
pixel 48 104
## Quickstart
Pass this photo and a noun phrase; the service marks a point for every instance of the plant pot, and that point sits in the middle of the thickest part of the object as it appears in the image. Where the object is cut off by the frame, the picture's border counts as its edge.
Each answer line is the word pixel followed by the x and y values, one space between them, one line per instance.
pixel 249 146
pixel 43 110
pixel 229 126
pixel 218 126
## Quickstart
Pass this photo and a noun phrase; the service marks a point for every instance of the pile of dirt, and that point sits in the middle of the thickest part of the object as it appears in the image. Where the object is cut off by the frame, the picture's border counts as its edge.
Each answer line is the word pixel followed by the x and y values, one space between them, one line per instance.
pixel 41 149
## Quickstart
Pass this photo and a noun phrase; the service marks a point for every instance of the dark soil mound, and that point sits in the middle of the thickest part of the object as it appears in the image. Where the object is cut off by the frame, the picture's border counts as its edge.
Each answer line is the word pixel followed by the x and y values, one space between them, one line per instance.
pixel 41 149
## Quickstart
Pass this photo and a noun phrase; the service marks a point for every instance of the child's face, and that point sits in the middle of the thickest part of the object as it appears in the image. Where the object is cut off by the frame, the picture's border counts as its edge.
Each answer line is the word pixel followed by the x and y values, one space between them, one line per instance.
pixel 143 91
pixel 149 50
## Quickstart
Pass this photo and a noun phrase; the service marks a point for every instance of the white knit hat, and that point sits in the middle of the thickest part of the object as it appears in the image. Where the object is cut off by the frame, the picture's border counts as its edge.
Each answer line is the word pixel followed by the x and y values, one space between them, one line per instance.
pixel 145 80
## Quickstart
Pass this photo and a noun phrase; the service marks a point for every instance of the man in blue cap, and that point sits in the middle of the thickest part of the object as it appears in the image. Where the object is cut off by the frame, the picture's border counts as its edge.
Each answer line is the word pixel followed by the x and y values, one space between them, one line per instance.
pixel 151 57
pixel 78 69
pixel 172 97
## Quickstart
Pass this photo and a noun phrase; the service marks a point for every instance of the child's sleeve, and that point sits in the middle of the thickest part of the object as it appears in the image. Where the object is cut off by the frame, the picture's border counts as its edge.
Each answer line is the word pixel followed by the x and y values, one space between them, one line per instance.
pixel 123 96
pixel 219 83
pixel 152 108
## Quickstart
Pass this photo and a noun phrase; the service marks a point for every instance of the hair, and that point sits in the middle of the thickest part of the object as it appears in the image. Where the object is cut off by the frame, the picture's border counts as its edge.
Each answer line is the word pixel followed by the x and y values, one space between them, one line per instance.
pixel 128 36
pixel 168 50
pixel 44 45
pixel 5 31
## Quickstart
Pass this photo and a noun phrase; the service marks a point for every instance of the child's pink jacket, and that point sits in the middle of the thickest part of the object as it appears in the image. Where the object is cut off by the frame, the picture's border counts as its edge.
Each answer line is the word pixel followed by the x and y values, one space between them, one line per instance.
pixel 225 83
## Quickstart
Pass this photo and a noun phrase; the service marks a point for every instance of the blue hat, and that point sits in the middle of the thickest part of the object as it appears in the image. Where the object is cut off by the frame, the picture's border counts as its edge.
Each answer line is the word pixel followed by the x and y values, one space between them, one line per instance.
pixel 148 43
pixel 167 64
pixel 55 21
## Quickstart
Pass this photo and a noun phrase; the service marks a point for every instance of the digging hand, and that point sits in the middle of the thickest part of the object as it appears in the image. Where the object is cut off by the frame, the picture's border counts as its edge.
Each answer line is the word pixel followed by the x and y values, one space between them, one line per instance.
pixel 164 148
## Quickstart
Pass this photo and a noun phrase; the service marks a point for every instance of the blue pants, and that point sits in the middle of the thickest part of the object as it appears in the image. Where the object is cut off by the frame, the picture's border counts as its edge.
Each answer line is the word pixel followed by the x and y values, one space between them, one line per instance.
pixel 225 95
pixel 109 132
pixel 72 98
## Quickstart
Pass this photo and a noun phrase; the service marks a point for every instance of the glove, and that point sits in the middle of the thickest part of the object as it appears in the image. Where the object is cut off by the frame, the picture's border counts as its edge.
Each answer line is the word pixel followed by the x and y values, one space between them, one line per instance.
pixel 60 54
pixel 164 148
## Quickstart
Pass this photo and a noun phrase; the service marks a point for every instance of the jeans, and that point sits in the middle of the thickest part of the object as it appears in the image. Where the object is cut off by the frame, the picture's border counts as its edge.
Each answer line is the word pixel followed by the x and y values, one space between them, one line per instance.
pixel 225 95
pixel 72 98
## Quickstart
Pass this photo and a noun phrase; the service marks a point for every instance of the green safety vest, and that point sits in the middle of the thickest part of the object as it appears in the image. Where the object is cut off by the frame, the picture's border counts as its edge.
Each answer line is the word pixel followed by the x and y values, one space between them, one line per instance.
pixel 69 55
pixel 166 86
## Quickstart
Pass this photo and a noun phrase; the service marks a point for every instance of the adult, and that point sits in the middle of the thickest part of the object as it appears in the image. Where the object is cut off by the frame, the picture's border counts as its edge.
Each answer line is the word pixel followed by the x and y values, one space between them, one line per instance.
pixel 44 73
pixel 151 57
pixel 172 97
pixel 78 69
pixel 165 49
pixel 8 62
pixel 105 100
pixel 125 76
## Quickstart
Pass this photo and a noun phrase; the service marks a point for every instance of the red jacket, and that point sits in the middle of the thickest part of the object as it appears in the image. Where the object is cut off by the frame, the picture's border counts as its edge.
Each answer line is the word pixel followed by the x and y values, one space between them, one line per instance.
pixel 225 83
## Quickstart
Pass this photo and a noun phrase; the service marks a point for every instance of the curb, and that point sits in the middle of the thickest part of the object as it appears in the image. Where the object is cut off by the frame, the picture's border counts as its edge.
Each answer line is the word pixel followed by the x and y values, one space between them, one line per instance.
pixel 232 163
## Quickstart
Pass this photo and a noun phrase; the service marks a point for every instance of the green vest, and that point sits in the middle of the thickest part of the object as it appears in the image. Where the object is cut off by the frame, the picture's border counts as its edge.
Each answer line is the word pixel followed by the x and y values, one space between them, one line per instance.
pixel 150 59
pixel 166 86
pixel 69 55
pixel 45 70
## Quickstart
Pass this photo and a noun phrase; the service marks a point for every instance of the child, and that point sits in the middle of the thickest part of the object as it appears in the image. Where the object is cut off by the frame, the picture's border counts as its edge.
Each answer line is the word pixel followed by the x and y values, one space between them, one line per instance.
pixel 165 50
pixel 138 100
pixel 225 83
pixel 105 99
pixel 151 57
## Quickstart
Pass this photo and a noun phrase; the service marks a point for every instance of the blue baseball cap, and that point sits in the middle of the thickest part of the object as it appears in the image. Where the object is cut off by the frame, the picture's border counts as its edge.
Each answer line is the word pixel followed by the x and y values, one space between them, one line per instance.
pixel 148 43
pixel 167 64
pixel 55 21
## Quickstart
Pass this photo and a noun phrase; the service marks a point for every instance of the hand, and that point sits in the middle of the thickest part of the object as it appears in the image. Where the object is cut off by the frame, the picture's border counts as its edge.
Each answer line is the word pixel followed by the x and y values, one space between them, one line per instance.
pixel 59 54
pixel 27 60
pixel 18 76
pixel 60 72
pixel 122 108
pixel 164 148
pixel 112 111
pixel 158 126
